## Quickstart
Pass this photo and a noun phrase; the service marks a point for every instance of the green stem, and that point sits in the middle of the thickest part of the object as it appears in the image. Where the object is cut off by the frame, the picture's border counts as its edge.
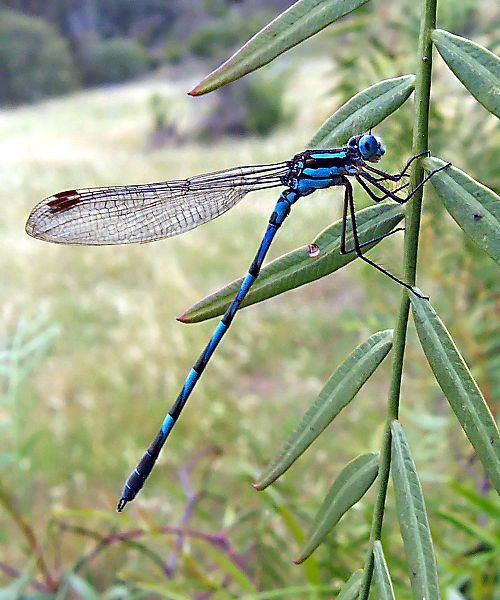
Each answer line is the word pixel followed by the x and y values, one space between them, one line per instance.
pixel 420 144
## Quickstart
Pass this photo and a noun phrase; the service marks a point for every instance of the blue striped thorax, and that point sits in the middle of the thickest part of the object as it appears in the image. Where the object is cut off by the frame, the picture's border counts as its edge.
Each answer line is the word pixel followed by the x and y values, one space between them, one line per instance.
pixel 316 169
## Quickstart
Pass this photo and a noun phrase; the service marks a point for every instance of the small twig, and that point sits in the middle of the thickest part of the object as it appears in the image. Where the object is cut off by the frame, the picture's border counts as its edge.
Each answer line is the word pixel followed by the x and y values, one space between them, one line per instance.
pixel 10 506
pixel 15 574
pixel 104 542
pixel 191 499
pixel 217 540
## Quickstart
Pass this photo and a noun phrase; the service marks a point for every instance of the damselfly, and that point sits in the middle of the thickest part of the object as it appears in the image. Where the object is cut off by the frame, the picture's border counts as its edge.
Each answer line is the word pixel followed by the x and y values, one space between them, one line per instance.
pixel 143 213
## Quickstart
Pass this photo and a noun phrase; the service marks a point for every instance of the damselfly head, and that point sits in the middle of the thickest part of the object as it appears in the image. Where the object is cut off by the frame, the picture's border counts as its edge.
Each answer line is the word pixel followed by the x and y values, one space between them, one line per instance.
pixel 370 147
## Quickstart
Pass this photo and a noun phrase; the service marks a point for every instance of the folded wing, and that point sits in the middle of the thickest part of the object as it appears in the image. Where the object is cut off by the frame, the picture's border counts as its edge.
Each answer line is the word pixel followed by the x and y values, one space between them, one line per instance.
pixel 147 212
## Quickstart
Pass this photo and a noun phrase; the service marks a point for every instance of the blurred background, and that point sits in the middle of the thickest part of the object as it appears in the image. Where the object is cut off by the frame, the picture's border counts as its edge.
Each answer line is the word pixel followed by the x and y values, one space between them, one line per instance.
pixel 92 93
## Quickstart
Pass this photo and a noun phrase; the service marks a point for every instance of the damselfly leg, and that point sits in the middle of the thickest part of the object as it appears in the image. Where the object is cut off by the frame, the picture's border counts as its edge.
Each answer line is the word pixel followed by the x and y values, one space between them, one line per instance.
pixel 350 208
pixel 348 211
pixel 389 193
pixel 396 176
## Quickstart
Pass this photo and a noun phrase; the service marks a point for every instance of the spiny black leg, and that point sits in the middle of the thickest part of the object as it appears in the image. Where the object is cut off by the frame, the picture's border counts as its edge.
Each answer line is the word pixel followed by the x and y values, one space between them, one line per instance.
pixel 357 245
pixel 380 237
pixel 344 221
pixel 396 176
pixel 374 196
pixel 393 195
pixel 379 186
pixel 383 175
pixel 343 249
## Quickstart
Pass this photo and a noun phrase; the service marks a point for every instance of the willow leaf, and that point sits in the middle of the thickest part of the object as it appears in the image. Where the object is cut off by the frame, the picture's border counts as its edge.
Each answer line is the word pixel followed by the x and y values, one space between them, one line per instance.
pixel 350 589
pixel 413 519
pixel 363 111
pixel 298 267
pixel 81 587
pixel 350 486
pixel 459 387
pixel 476 67
pixel 302 20
pixel 282 508
pixel 297 591
pixel 383 583
pixel 229 565
pixel 340 389
pixel 479 533
pixel 486 506
pixel 475 208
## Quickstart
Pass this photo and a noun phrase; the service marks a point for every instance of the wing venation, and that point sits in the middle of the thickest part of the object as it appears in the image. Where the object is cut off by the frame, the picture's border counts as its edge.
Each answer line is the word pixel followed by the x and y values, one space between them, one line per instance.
pixel 146 212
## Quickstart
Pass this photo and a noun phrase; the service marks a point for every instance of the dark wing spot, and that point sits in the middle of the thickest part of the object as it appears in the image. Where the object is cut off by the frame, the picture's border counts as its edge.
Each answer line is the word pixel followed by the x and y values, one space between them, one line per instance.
pixel 477 217
pixel 63 200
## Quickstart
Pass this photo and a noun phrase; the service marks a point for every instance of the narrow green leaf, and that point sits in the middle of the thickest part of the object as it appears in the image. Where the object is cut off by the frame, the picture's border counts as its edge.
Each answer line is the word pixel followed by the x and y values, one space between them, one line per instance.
pixel 302 20
pixel 340 389
pixel 298 267
pixel 458 386
pixel 484 505
pixel 475 208
pixel 230 567
pixel 383 583
pixel 81 587
pixel 296 591
pixel 350 486
pixel 16 589
pixel 476 67
pixel 350 589
pixel 454 594
pixel 363 111
pixel 290 522
pixel 479 533
pixel 413 519
pixel 160 590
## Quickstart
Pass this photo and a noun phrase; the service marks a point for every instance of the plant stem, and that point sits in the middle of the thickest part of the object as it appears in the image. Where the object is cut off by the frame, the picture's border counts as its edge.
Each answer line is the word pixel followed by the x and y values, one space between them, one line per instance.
pixel 420 144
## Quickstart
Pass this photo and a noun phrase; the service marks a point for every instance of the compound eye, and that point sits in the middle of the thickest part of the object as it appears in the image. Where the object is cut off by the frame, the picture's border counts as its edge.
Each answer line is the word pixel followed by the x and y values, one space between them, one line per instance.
pixel 367 145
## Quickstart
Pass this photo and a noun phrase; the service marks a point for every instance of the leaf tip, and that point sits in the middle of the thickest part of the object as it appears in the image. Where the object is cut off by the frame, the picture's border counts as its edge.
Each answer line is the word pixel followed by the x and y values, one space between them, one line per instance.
pixel 388 332
pixel 416 294
pixel 196 91
pixel 182 318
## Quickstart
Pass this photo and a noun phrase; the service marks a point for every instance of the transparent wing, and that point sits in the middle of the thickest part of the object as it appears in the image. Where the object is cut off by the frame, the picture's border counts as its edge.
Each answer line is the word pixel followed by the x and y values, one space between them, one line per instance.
pixel 148 212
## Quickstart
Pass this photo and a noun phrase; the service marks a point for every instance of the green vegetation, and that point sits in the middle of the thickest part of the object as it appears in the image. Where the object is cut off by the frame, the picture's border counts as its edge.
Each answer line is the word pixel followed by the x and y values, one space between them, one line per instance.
pixel 92 356
pixel 115 60
pixel 263 104
pixel 219 35
pixel 35 59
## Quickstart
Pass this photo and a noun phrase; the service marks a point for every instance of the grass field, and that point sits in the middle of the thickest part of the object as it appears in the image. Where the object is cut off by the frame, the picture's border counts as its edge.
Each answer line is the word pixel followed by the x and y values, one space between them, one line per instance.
pixel 96 355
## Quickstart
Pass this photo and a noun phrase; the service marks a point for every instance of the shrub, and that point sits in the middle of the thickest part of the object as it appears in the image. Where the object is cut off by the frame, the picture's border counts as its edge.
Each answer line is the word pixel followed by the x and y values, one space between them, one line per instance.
pixel 173 51
pixel 263 102
pixel 215 38
pixel 35 60
pixel 115 60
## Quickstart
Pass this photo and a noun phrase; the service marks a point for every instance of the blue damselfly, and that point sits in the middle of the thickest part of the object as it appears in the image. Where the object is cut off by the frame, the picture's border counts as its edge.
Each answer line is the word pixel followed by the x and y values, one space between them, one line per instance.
pixel 144 213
